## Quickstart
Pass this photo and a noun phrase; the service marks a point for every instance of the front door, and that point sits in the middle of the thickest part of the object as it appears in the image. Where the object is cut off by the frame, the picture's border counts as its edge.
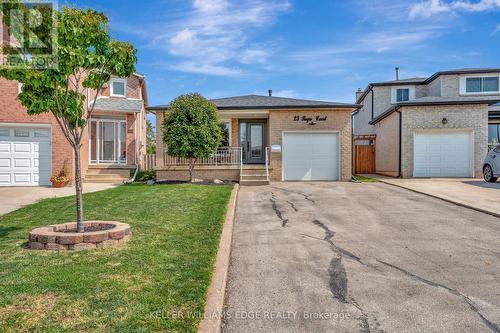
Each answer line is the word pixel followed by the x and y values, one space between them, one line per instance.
pixel 252 139
pixel 108 141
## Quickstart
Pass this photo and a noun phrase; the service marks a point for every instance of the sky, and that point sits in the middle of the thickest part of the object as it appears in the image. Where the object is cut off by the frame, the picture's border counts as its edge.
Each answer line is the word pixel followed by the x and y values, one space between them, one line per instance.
pixel 311 49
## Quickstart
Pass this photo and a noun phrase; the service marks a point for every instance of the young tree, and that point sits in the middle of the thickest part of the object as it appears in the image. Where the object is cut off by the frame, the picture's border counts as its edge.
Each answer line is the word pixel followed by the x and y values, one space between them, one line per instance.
pixel 150 137
pixel 84 59
pixel 191 129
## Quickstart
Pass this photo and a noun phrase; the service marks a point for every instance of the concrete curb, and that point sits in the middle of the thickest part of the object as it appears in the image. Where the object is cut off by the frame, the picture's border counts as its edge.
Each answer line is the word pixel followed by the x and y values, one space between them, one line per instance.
pixel 444 199
pixel 212 321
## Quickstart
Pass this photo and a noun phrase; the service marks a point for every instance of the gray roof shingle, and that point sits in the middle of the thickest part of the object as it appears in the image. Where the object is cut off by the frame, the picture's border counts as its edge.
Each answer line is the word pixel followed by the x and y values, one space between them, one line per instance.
pixel 267 102
pixel 119 104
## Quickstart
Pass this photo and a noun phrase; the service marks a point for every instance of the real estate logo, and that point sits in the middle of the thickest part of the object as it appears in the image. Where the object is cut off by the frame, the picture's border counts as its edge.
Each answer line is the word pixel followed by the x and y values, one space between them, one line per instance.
pixel 29 33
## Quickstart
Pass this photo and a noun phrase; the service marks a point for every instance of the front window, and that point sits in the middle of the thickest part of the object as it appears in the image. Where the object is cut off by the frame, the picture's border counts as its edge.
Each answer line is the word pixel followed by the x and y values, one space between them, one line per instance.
pixel 402 95
pixel 493 135
pixel 482 84
pixel 118 87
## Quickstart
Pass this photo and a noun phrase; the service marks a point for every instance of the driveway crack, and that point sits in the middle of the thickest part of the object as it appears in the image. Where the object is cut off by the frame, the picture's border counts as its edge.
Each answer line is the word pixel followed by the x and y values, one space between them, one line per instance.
pixel 277 211
pixel 493 326
pixel 306 196
pixel 292 205
pixel 338 281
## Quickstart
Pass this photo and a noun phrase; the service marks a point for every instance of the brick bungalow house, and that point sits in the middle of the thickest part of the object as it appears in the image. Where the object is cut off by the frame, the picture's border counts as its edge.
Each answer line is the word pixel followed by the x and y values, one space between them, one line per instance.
pixel 270 138
pixel 32 148
pixel 437 126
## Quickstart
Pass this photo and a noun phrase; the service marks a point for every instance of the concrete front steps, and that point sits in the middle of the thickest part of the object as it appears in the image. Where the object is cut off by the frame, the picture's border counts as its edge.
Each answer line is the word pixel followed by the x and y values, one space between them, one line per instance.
pixel 253 175
pixel 111 174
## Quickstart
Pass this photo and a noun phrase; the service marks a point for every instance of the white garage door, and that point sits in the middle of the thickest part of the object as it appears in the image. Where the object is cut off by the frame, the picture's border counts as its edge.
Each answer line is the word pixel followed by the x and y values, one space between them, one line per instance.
pixel 311 156
pixel 25 156
pixel 442 154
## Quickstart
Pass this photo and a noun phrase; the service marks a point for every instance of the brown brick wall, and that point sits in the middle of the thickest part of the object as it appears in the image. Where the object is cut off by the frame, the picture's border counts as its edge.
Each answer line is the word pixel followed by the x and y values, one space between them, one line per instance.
pixel 235 130
pixel 468 117
pixel 133 88
pixel 12 111
pixel 339 120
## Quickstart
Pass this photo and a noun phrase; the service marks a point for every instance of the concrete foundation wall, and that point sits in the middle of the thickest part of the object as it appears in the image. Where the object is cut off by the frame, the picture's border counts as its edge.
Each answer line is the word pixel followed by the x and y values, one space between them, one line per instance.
pixel 205 173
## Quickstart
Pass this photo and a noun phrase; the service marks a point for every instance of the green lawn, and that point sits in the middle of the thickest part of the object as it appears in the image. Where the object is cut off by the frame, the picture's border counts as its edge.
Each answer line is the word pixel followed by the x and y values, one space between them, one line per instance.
pixel 135 287
pixel 363 179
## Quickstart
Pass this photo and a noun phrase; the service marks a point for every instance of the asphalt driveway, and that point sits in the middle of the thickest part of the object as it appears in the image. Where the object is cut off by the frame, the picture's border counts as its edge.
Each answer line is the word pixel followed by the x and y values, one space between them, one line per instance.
pixel 345 257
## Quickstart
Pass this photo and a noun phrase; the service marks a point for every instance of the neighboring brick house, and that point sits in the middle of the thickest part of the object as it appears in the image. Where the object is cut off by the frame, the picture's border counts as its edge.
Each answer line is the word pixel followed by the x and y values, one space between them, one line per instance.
pixel 271 138
pixel 438 126
pixel 32 148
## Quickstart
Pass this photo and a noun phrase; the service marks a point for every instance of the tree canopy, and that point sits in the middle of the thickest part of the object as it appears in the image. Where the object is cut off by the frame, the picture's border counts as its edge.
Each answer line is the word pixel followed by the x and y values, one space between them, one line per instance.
pixel 191 128
pixel 65 77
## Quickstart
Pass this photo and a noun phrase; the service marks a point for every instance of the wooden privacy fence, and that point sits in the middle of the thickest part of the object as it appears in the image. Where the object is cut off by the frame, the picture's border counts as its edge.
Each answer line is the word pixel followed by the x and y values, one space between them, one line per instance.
pixel 148 162
pixel 364 154
pixel 364 159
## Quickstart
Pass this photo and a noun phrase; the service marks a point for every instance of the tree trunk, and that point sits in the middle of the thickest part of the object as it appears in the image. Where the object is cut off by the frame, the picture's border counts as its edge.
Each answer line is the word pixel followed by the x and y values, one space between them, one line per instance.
pixel 191 167
pixel 78 189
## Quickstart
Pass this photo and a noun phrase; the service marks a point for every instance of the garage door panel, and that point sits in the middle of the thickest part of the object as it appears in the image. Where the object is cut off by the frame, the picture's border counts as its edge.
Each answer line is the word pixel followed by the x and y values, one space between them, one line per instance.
pixel 22 178
pixel 22 163
pixel 5 147
pixel 310 156
pixel 5 163
pixel 22 147
pixel 442 154
pixel 25 160
pixel 5 178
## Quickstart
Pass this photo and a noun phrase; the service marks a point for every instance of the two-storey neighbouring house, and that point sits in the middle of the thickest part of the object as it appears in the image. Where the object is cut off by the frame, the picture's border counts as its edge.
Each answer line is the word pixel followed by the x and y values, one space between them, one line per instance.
pixel 32 148
pixel 439 126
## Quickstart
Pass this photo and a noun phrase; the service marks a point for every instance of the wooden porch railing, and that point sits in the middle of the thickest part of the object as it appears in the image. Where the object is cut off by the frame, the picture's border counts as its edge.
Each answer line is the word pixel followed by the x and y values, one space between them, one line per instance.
pixel 223 156
pixel 148 162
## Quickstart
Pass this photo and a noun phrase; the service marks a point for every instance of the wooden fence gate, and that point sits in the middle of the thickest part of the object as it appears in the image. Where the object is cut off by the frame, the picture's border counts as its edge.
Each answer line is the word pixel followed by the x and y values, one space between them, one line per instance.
pixel 364 155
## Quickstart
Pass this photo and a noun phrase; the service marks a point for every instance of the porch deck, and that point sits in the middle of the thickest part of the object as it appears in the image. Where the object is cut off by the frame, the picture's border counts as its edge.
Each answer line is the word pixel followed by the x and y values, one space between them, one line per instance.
pixel 225 164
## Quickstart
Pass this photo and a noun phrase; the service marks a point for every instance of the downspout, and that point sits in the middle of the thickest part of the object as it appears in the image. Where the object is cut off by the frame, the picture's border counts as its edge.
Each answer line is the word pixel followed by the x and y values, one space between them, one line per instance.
pixel 400 142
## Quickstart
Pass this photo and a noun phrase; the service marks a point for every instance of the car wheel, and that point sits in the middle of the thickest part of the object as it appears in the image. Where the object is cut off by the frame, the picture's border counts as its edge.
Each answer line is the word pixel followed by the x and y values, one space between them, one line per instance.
pixel 488 174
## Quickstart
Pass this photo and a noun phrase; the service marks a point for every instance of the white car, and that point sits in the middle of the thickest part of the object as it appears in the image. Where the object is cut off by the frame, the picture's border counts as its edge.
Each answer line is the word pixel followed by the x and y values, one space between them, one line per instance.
pixel 491 167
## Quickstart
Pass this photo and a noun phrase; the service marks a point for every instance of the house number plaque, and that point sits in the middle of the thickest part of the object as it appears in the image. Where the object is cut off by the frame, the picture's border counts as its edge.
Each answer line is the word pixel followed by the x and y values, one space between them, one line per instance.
pixel 310 120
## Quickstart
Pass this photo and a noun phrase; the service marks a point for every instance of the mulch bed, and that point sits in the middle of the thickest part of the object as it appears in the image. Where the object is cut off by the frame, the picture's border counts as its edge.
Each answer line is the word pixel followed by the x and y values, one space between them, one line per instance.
pixel 92 228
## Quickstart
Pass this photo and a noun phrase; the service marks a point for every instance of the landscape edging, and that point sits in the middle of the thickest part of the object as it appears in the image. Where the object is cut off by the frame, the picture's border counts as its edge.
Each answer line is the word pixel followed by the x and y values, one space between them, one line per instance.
pixel 214 305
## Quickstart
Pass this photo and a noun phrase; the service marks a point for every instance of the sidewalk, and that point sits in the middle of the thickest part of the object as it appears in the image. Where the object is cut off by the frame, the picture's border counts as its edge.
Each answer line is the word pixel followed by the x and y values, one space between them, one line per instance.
pixel 12 198
pixel 471 193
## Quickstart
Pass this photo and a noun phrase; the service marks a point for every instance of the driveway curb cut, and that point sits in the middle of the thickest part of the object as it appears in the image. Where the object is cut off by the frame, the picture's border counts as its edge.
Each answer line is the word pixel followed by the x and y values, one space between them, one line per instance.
pixel 444 199
pixel 212 321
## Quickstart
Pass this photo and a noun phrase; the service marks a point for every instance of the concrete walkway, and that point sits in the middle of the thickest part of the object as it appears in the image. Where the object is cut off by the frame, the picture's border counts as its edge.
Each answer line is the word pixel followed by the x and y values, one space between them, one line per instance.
pixel 467 192
pixel 12 198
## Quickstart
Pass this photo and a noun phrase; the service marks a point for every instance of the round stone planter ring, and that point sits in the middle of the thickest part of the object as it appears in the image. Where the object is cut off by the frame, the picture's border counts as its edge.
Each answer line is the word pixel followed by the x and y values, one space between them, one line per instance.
pixel 98 234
